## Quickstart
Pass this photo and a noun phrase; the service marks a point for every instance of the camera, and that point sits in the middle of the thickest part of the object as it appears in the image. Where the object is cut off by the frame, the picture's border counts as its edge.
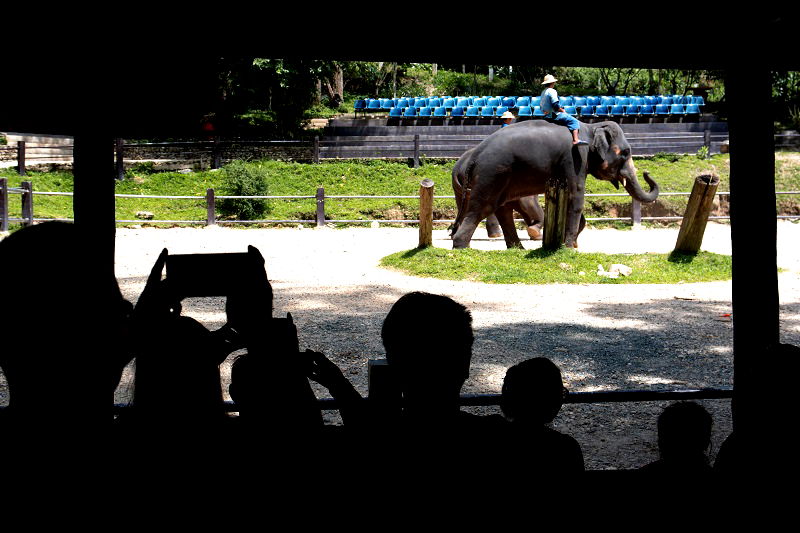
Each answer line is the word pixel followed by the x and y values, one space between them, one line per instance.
pixel 217 274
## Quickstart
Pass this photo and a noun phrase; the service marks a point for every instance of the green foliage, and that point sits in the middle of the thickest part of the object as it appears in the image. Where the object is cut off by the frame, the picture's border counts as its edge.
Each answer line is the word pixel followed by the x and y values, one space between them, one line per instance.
pixel 539 266
pixel 702 153
pixel 3 140
pixel 242 179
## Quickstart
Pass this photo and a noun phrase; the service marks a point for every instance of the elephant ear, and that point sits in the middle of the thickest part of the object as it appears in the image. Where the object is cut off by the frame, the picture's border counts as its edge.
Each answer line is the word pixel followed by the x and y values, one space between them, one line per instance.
pixel 600 141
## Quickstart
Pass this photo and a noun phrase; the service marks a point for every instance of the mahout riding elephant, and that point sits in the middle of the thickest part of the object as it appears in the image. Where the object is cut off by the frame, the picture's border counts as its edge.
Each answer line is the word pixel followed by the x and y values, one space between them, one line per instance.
pixel 520 159
pixel 527 206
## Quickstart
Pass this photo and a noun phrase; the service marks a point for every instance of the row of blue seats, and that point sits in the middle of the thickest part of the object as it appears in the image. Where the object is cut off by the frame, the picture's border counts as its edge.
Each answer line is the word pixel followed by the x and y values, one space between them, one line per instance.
pixel 536 111
pixel 512 102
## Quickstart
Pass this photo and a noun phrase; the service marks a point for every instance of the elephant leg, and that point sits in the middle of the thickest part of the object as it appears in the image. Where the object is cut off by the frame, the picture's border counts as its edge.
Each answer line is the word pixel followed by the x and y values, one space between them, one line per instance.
pixel 505 215
pixel 493 227
pixel 574 213
pixel 533 214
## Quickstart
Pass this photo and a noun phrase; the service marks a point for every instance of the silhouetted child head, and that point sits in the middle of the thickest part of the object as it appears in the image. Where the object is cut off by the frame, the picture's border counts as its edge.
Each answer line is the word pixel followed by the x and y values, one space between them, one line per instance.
pixel 428 341
pixel 684 431
pixel 533 391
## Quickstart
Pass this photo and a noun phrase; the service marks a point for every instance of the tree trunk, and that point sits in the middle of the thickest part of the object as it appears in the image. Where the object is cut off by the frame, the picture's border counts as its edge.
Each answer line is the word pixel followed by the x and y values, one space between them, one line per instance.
pixel 334 86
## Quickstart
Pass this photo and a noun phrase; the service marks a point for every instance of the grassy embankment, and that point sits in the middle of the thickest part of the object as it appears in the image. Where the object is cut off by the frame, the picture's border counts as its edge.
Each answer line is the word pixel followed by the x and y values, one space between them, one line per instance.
pixel 674 174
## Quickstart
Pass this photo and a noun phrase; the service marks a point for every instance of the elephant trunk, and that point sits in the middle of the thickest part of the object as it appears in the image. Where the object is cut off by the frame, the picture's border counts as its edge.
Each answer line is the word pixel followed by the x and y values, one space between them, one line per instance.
pixel 631 184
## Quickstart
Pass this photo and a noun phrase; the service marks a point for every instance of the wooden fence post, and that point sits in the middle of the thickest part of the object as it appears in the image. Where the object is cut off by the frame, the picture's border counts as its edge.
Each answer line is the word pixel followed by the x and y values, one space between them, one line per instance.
pixel 211 208
pixel 21 158
pixel 119 143
pixel 701 199
pixel 707 140
pixel 320 206
pixel 416 150
pixel 3 204
pixel 27 203
pixel 426 213
pixel 555 214
pixel 316 149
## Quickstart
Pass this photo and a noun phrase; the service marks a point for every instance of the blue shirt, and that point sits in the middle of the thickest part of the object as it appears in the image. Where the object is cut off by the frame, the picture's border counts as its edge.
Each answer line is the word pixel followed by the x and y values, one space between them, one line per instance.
pixel 549 101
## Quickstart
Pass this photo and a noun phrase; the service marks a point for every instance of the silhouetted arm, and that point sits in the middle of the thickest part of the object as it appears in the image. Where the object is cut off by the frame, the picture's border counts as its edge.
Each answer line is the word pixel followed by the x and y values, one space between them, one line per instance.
pixel 322 370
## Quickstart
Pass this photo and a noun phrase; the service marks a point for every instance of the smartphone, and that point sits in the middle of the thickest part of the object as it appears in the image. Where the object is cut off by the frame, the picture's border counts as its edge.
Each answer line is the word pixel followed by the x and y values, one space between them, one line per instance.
pixel 209 274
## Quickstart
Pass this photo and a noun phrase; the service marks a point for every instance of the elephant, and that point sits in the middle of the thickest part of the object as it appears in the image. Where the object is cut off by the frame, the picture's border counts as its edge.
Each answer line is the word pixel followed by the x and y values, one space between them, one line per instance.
pixel 520 159
pixel 527 206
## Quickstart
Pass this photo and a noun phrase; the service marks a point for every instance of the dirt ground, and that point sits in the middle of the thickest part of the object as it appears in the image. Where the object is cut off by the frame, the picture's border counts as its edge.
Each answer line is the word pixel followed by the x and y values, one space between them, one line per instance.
pixel 603 337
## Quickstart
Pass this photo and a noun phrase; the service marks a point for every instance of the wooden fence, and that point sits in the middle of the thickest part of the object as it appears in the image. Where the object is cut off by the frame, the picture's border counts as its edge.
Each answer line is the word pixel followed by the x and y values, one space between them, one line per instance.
pixel 27 194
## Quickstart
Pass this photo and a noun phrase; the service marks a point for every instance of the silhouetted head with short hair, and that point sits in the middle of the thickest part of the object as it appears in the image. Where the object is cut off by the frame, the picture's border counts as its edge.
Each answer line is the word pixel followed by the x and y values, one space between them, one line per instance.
pixel 533 391
pixel 428 341
pixel 684 431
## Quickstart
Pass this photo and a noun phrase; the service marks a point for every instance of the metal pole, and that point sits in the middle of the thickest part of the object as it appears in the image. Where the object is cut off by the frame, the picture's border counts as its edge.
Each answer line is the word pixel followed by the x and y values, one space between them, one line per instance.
pixel 3 204
pixel 211 211
pixel 416 150
pixel 27 203
pixel 320 207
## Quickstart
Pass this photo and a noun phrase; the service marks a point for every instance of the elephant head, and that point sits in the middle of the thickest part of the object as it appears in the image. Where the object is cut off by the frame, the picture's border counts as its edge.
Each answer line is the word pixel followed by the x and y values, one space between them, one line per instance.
pixel 610 160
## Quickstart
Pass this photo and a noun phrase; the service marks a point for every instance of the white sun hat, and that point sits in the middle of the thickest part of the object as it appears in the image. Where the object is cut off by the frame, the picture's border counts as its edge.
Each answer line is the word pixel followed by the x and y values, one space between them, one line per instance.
pixel 549 79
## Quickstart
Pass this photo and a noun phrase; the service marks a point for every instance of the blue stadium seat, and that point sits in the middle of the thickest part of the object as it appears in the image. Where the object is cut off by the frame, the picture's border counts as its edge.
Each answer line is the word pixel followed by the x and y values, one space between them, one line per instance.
pixel 623 101
pixel 419 102
pixel 651 100
pixel 499 110
pixel 587 111
pixel 523 101
pixel 647 109
pixel 479 102
pixel 579 101
pixel 524 111
pixel 536 100
pixel 571 110
pixel 401 103
pixel 677 109
pixel 487 111
pixel 601 111
pixel 425 111
pixel 565 101
pixel 360 105
pixel 434 102
pixel 698 101
pixel 396 111
pixel 387 103
pixel 473 111
pixel 410 111
pixel 440 111
pixel 617 110
pixel 537 111
pixel 593 100
pixel 457 111
pixel 692 109
pixel 509 102
pixel 637 100
pixel 494 102
pixel 664 100
pixel 631 110
pixel 662 109
pixel 608 101
pixel 449 103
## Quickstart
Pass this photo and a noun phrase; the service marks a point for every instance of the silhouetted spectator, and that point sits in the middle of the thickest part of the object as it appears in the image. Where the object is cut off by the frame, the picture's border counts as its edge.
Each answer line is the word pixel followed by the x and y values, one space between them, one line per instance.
pixel 684 438
pixel 532 395
pixel 65 349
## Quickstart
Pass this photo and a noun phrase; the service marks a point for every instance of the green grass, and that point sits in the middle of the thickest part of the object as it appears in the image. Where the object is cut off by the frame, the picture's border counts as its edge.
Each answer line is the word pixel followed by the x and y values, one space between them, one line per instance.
pixel 561 266
pixel 377 178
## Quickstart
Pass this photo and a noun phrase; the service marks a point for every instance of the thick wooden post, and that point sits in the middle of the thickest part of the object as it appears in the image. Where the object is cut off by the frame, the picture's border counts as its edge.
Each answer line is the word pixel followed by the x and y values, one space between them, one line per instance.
pixel 211 208
pixel 316 150
pixel 416 150
pixel 426 213
pixel 695 218
pixel 27 203
pixel 3 204
pixel 320 207
pixel 707 140
pixel 120 152
pixel 21 158
pixel 555 214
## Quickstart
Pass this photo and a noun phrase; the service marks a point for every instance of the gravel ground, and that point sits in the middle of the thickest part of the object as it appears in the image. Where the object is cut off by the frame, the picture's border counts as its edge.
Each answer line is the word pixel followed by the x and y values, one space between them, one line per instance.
pixel 604 337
